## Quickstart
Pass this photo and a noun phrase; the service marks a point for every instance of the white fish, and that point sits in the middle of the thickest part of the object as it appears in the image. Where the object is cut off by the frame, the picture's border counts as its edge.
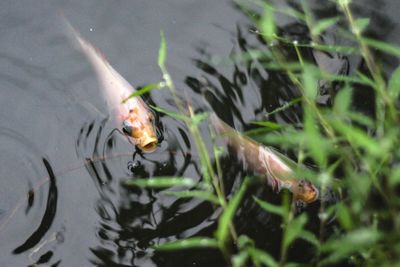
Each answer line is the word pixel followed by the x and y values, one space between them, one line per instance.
pixel 132 115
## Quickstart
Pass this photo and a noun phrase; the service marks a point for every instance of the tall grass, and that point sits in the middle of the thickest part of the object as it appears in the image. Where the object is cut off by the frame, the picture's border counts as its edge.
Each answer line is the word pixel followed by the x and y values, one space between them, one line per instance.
pixel 354 152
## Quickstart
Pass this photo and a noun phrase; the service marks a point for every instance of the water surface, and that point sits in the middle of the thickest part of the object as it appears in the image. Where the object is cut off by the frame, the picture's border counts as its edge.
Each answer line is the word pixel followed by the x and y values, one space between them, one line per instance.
pixel 62 202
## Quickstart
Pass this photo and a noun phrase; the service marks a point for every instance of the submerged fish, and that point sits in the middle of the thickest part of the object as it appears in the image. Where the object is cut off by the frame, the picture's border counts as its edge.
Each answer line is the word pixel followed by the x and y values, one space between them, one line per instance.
pixel 267 163
pixel 133 115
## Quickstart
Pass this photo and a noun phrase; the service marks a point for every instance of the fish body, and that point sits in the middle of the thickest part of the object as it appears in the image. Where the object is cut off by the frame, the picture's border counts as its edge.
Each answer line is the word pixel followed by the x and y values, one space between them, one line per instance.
pixel 266 162
pixel 131 114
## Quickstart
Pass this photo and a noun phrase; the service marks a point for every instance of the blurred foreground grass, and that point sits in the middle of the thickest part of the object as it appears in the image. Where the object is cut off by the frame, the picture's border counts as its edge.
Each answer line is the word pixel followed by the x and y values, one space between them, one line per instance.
pixel 354 152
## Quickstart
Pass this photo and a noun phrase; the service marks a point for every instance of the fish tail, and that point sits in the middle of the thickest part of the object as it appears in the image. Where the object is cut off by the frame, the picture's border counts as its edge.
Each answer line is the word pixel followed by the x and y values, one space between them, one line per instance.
pixel 80 43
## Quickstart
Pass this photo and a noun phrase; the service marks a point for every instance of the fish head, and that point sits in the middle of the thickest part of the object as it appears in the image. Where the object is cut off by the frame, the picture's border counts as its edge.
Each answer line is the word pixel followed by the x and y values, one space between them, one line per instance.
pixel 305 191
pixel 141 128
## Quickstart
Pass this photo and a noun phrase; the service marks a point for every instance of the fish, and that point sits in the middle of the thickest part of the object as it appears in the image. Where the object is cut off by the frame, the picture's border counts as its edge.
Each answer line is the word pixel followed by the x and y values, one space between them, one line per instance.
pixel 131 114
pixel 267 163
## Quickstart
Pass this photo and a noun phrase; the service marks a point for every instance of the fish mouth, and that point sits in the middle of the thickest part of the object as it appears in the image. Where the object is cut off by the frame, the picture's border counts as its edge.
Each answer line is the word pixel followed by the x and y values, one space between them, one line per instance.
pixel 306 192
pixel 148 144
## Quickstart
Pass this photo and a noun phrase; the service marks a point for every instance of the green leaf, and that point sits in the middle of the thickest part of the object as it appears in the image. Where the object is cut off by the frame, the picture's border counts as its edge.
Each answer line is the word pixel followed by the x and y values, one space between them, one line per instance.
pixel 344 2
pixel 161 182
pixel 359 137
pixel 244 242
pixel 394 178
pixel 189 243
pixel 263 257
pixel 310 82
pixel 356 241
pixel 362 24
pixel 286 139
pixel 383 46
pixel 287 66
pixel 332 48
pixel 171 113
pixel 324 24
pixel 162 51
pixel 143 90
pixel 343 100
pixel 344 216
pixel 267 23
pixel 310 237
pixel 294 264
pixel 278 210
pixel 366 79
pixel 194 194
pixel 315 143
pixel 293 230
pixel 361 118
pixel 199 117
pixel 394 83
pixel 240 259
pixel 284 107
pixel 344 78
pixel 267 124
pixel 226 218
pixel 258 132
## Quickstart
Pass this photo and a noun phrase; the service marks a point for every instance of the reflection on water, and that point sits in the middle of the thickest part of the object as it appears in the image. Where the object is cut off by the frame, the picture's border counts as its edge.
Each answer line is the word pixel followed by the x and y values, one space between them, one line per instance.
pixel 63 201
pixel 30 179
pixel 48 216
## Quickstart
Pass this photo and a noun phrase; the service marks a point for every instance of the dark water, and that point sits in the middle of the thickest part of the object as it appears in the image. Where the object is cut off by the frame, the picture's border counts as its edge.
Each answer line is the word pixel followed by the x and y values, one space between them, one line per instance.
pixel 62 202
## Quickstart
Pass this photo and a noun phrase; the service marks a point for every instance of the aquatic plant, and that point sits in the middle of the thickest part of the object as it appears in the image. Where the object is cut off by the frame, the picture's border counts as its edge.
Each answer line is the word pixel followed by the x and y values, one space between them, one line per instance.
pixel 353 151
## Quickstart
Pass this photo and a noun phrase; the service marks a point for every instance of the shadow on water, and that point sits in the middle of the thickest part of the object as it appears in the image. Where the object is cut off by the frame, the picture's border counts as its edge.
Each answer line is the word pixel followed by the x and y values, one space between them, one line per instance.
pixel 133 219
pixel 30 196
pixel 48 216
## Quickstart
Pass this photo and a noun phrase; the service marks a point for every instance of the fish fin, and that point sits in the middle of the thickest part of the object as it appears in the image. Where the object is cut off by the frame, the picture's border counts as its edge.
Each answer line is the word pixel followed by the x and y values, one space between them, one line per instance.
pixel 78 41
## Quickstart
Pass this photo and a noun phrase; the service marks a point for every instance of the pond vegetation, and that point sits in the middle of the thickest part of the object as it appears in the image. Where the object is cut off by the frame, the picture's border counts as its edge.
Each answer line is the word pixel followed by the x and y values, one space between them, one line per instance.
pixel 350 147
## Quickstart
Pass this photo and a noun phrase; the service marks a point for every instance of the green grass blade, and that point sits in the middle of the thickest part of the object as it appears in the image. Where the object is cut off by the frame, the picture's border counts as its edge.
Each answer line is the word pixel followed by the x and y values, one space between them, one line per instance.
pixel 343 100
pixel 310 81
pixel 356 241
pixel 361 118
pixel 161 182
pixel 330 48
pixel 284 107
pixel 383 46
pixel 240 259
pixel 278 210
pixel 324 24
pixel 143 90
pixel 263 257
pixel 315 142
pixel 198 118
pixel 162 52
pixel 394 83
pixel 344 216
pixel 357 136
pixel 194 194
pixel 309 237
pixel 267 124
pixel 362 23
pixel 267 23
pixel 226 218
pixel 294 230
pixel 189 243
pixel 171 114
